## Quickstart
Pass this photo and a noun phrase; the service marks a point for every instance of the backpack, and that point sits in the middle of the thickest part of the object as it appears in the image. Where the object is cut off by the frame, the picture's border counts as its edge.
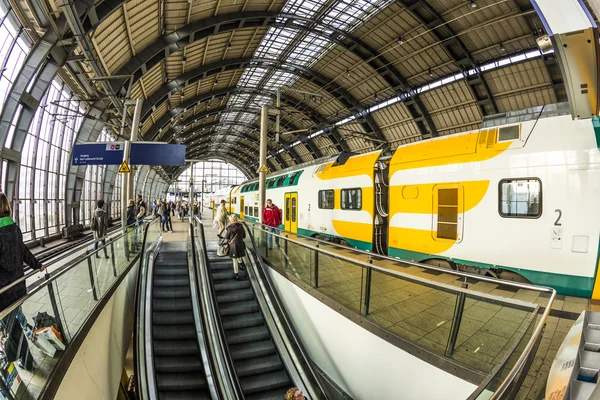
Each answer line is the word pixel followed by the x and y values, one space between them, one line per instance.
pixel 94 223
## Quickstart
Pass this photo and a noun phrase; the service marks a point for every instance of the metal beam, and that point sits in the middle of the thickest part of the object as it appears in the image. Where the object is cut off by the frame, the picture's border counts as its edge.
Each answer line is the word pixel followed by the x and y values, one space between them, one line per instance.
pixel 456 49
pixel 211 125
pixel 311 147
pixel 318 79
pixel 319 120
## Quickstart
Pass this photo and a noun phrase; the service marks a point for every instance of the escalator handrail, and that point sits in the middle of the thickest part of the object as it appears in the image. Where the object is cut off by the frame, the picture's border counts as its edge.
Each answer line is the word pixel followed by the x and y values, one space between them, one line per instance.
pixel 313 385
pixel 199 306
pixel 139 343
pixel 232 389
pixel 71 264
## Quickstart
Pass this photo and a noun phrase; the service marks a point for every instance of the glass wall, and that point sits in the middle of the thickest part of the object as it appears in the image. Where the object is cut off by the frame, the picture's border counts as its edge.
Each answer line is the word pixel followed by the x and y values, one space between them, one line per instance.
pixel 45 161
pixel 216 174
pixel 93 186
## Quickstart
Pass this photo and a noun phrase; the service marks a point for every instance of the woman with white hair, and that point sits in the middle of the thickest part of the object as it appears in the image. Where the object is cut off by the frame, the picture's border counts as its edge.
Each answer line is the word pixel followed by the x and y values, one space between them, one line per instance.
pixel 235 235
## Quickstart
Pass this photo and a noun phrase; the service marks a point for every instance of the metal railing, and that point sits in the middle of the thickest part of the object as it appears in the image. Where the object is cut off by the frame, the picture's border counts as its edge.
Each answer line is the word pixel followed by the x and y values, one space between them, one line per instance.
pixel 311 261
pixel 230 386
pixel 306 373
pixel 73 298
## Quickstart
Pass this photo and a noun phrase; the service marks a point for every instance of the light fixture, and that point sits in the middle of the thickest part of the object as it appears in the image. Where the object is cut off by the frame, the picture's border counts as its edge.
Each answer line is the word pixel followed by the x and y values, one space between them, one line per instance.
pixel 473 4
pixel 216 81
pixel 183 60
pixel 348 72
pixel 430 73
pixel 399 40
pixel 228 45
pixel 544 43
pixel 502 48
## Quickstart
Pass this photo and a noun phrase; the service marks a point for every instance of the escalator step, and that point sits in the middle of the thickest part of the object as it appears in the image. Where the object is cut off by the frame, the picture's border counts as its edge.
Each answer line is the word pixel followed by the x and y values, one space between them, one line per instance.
pixel 178 364
pixel 265 382
pixel 172 318
pixel 170 261
pixel 235 295
pixel 181 381
pixel 176 271
pixel 171 305
pixel 242 321
pixel 244 335
pixel 174 332
pixel 220 264
pixel 231 285
pixel 169 281
pixel 250 350
pixel 185 395
pixel 275 394
pixel 222 275
pixel 169 348
pixel 259 365
pixel 238 307
pixel 177 292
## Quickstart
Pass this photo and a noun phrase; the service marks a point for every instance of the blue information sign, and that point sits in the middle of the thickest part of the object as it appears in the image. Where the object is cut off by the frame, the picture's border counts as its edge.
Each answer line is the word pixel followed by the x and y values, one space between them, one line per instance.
pixel 98 154
pixel 148 153
pixel 144 153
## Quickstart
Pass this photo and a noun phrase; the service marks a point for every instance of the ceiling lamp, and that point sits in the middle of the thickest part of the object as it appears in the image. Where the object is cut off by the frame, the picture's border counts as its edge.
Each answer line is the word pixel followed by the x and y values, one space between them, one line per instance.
pixel 430 73
pixel 502 48
pixel 228 45
pixel 473 4
pixel 399 40
pixel 183 60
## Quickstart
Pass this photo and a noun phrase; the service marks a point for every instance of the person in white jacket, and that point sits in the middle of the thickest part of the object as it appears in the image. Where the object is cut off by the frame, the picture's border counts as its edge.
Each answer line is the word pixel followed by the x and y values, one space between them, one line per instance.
pixel 221 217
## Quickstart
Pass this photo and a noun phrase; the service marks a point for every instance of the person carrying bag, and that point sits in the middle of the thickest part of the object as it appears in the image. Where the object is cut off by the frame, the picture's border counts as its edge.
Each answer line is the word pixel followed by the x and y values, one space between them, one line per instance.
pixel 233 245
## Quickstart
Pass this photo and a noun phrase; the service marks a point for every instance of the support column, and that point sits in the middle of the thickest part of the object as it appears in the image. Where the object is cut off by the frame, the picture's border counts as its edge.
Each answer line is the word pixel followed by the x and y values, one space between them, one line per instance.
pixel 262 162
pixel 127 181
pixel 191 213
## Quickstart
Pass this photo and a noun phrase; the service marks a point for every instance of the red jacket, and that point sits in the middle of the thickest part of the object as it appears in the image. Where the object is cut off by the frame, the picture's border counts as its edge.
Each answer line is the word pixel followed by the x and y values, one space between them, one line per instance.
pixel 272 216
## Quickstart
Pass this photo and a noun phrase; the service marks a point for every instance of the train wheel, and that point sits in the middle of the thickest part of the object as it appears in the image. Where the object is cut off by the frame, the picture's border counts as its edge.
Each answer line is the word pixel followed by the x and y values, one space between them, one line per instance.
pixel 441 263
pixel 511 276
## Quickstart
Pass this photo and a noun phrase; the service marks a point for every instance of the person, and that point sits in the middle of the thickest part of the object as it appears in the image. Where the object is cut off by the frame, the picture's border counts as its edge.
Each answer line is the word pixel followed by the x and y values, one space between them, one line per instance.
pixel 169 222
pixel 235 235
pixel 172 207
pixel 13 253
pixel 221 217
pixel 272 218
pixel 141 210
pixel 294 394
pixel 160 212
pixel 130 213
pixel 100 228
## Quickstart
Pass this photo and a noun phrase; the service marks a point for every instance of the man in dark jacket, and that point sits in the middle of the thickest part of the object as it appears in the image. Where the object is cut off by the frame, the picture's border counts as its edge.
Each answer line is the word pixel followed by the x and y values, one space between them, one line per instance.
pixel 101 227
pixel 13 253
pixel 272 218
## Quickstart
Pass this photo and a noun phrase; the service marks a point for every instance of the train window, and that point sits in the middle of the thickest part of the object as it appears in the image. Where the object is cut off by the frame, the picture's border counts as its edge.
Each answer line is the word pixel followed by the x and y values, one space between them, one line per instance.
pixel 447 221
pixel 287 208
pixel 293 178
pixel 246 210
pixel 326 199
pixel 280 181
pixel 256 211
pixel 271 183
pixel 352 199
pixel 520 198
pixel 509 133
pixel 255 187
pixel 294 209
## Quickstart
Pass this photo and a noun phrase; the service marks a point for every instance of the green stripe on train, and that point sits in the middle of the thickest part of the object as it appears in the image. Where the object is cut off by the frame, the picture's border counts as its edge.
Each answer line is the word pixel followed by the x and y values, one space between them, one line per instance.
pixel 569 285
pixel 357 244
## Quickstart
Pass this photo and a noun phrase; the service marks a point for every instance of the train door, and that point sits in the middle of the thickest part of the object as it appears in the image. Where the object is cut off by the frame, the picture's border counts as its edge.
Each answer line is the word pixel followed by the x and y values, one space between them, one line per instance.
pixel 448 209
pixel 291 212
pixel 241 207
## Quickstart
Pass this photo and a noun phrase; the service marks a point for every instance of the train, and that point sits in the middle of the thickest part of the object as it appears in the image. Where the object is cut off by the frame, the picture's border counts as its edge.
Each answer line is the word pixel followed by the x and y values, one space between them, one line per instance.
pixel 516 199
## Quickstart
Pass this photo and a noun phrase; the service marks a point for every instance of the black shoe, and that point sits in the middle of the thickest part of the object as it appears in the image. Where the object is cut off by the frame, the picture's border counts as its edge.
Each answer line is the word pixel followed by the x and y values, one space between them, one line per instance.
pixel 236 277
pixel 107 257
pixel 97 256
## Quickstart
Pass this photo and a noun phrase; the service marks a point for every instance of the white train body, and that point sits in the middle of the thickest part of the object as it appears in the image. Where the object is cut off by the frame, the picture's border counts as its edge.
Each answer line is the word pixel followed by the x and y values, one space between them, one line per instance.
pixel 515 200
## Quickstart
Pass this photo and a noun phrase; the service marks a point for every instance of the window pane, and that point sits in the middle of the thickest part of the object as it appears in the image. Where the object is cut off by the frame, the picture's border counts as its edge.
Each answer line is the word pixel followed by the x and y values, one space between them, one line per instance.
pixel 520 198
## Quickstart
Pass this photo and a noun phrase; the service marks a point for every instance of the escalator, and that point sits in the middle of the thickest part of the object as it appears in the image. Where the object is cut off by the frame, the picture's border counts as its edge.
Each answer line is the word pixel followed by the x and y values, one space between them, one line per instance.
pixel 174 349
pixel 258 365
